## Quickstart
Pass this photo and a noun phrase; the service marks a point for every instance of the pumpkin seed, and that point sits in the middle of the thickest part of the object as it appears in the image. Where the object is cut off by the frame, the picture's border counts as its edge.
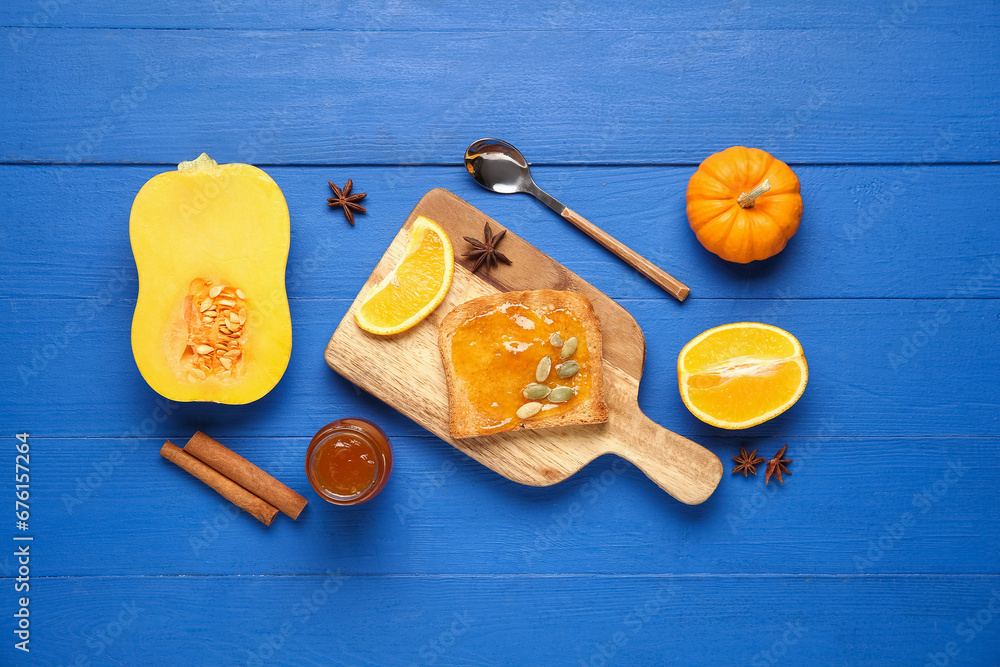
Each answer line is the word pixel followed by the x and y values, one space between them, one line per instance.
pixel 198 373
pixel 561 394
pixel 211 313
pixel 205 305
pixel 233 317
pixel 556 340
pixel 543 369
pixel 214 292
pixel 227 302
pixel 567 369
pixel 528 410
pixel 243 315
pixel 204 349
pixel 568 348
pixel 535 392
pixel 226 362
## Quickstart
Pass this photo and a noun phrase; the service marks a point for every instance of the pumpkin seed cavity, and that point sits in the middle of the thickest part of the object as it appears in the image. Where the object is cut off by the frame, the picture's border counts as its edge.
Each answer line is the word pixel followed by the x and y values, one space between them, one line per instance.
pixel 215 336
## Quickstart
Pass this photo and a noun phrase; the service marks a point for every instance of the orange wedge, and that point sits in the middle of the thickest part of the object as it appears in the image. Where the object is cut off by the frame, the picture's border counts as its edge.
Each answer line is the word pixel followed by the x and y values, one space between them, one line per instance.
pixel 740 375
pixel 415 287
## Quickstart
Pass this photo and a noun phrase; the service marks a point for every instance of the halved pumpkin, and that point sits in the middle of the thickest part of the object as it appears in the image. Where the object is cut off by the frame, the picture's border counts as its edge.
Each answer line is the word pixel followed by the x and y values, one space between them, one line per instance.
pixel 210 243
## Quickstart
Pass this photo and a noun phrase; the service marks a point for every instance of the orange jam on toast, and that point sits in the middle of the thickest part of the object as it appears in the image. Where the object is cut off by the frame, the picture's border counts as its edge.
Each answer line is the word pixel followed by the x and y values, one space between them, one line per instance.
pixel 496 353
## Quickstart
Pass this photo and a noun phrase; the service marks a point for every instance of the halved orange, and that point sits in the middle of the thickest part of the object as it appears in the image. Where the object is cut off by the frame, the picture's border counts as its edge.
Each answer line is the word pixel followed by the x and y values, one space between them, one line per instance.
pixel 740 375
pixel 415 287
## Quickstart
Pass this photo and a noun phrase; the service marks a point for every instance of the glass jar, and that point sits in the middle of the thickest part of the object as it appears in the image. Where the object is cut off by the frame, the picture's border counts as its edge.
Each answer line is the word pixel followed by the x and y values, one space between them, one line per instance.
pixel 348 461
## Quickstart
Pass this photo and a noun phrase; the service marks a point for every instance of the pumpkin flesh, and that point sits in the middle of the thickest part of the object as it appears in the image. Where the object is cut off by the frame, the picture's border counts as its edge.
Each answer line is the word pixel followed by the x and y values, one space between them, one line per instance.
pixel 211 321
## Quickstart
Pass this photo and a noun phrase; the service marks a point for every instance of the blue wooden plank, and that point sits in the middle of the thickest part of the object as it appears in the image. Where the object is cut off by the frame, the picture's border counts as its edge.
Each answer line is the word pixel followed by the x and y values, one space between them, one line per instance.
pixel 867 232
pixel 881 547
pixel 852 506
pixel 877 367
pixel 515 15
pixel 566 620
pixel 101 95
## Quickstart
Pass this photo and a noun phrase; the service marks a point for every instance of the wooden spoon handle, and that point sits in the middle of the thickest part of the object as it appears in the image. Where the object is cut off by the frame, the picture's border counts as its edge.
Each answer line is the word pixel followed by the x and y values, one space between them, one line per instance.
pixel 634 259
pixel 681 467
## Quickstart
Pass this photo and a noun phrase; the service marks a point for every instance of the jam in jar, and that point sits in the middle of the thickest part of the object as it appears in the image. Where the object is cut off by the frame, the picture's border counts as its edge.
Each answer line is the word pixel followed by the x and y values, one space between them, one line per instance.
pixel 348 461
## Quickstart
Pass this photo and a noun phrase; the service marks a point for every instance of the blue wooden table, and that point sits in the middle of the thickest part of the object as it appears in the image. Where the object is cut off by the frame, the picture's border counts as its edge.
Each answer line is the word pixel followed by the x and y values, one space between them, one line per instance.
pixel 883 547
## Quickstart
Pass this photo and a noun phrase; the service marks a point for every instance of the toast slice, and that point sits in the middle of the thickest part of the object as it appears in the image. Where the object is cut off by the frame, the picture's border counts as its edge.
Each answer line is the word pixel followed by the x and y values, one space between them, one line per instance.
pixel 493 347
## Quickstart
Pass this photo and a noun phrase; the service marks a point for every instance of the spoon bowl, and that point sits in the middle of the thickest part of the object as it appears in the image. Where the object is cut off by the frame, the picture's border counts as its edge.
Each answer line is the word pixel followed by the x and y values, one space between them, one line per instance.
pixel 499 167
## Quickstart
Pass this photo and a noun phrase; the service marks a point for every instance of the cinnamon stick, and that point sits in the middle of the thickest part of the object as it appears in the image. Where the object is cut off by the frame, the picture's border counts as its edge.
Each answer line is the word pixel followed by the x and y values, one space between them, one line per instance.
pixel 246 474
pixel 229 489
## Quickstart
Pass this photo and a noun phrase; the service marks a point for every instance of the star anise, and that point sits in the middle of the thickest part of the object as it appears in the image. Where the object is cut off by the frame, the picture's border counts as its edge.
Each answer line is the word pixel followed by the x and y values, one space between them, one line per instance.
pixel 485 251
pixel 747 463
pixel 777 465
pixel 346 200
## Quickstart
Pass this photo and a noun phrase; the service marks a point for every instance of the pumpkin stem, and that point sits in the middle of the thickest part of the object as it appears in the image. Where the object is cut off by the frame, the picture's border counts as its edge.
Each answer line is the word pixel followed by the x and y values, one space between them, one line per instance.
pixel 200 163
pixel 746 199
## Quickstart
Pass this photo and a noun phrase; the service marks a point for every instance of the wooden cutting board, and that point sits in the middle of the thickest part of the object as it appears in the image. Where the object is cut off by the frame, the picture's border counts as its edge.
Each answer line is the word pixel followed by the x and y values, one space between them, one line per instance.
pixel 406 372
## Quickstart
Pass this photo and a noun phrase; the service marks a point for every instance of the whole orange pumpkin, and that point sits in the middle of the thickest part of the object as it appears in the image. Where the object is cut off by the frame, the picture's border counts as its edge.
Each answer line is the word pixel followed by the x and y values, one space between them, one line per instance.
pixel 744 204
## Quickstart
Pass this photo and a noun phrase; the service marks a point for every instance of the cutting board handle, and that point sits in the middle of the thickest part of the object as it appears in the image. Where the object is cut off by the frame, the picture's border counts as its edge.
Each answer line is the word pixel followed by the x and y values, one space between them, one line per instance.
pixel 681 467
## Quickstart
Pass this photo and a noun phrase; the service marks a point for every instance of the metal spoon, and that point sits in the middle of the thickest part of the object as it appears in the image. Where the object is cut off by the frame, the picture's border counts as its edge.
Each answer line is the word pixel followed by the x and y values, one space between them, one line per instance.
pixel 498 166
